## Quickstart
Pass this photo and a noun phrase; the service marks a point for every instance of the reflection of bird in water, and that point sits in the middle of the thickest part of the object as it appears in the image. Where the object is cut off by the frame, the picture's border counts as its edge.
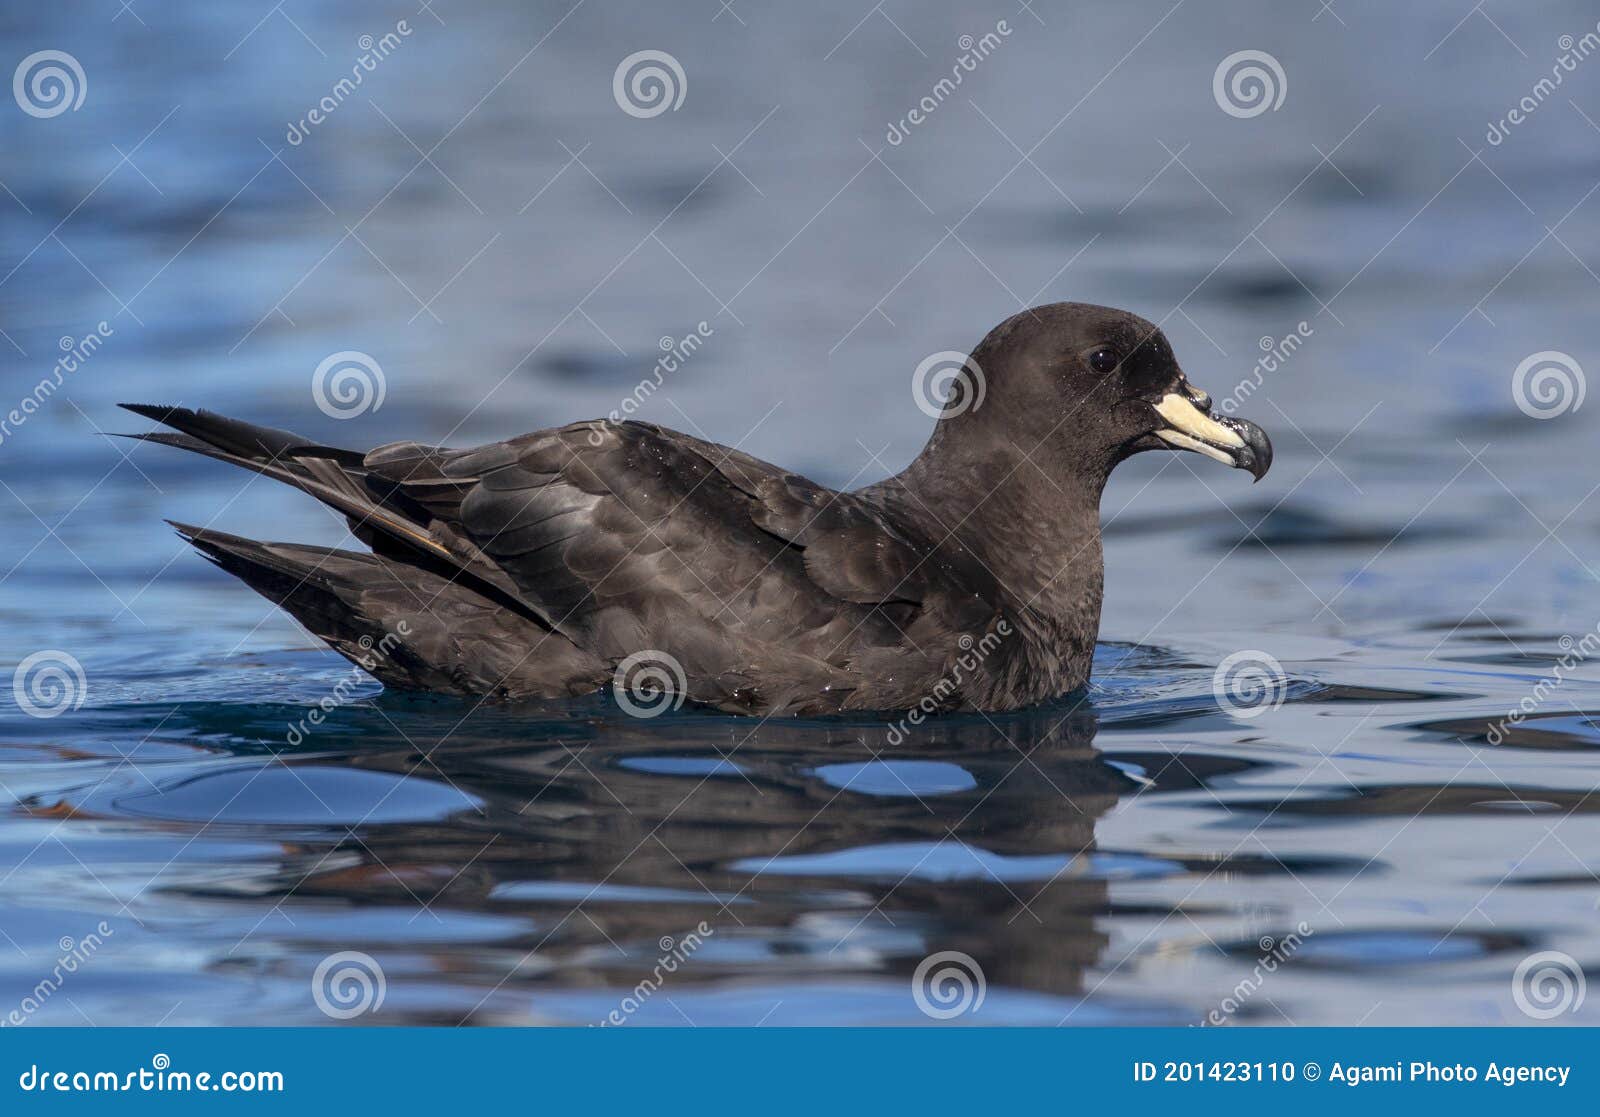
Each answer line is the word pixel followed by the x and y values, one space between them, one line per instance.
pixel 822 850
pixel 539 566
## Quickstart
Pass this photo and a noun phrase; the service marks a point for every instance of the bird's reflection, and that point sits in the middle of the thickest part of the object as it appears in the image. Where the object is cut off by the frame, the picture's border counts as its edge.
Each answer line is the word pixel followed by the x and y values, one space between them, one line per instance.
pixel 810 848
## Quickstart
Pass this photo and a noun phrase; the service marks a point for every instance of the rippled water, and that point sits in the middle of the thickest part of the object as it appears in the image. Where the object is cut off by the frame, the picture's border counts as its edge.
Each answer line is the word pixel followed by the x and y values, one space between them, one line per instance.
pixel 1419 561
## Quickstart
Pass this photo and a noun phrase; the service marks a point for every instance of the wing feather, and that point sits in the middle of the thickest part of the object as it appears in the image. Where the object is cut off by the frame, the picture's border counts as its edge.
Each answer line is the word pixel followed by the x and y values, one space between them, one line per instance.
pixel 630 536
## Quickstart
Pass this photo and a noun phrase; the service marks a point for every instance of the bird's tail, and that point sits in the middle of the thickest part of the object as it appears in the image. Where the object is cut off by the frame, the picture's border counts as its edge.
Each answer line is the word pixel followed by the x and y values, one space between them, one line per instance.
pixel 409 627
pixel 364 609
pixel 394 525
pixel 425 610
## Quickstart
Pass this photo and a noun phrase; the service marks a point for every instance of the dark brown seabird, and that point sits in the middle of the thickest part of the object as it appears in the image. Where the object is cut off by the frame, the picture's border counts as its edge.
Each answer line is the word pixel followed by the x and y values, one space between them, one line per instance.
pixel 553 563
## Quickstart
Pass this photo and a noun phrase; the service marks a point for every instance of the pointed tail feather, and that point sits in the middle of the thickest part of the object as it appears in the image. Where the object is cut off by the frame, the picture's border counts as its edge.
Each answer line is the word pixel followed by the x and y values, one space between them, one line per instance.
pixel 325 590
pixel 328 473
pixel 416 613
pixel 378 515
pixel 408 627
pixel 237 437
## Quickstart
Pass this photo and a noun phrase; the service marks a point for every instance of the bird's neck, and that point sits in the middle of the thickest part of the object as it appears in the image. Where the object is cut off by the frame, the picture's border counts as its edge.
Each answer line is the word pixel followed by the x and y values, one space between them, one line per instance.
pixel 1034 529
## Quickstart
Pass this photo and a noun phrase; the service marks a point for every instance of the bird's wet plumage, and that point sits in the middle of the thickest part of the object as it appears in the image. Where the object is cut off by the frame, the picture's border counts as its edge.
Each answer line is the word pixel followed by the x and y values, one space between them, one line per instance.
pixel 535 566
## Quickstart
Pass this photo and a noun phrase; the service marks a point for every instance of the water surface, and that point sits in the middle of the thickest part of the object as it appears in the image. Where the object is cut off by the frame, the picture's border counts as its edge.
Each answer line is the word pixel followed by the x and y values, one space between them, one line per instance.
pixel 1420 559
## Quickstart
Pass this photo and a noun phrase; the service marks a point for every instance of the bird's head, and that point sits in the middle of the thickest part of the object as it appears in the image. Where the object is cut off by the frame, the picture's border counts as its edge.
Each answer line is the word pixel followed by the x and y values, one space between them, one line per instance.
pixel 1078 388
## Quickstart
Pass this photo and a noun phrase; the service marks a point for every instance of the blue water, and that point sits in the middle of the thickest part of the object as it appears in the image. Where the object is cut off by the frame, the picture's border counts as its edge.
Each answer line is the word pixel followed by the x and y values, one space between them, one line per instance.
pixel 1421 558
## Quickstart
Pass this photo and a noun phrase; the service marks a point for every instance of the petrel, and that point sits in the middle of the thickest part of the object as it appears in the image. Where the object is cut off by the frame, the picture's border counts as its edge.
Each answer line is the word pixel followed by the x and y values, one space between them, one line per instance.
pixel 545 565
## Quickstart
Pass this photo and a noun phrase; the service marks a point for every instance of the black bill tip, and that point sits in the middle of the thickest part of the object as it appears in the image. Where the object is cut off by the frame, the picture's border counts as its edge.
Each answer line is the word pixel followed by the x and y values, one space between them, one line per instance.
pixel 1255 456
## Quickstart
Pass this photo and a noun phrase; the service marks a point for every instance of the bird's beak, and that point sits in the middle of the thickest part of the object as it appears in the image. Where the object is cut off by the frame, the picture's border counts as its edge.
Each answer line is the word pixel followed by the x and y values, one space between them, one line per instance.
pixel 1190 425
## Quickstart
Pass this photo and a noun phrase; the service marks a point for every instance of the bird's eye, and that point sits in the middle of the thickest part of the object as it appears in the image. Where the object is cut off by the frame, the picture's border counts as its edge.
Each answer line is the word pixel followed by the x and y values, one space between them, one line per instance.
pixel 1103 361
